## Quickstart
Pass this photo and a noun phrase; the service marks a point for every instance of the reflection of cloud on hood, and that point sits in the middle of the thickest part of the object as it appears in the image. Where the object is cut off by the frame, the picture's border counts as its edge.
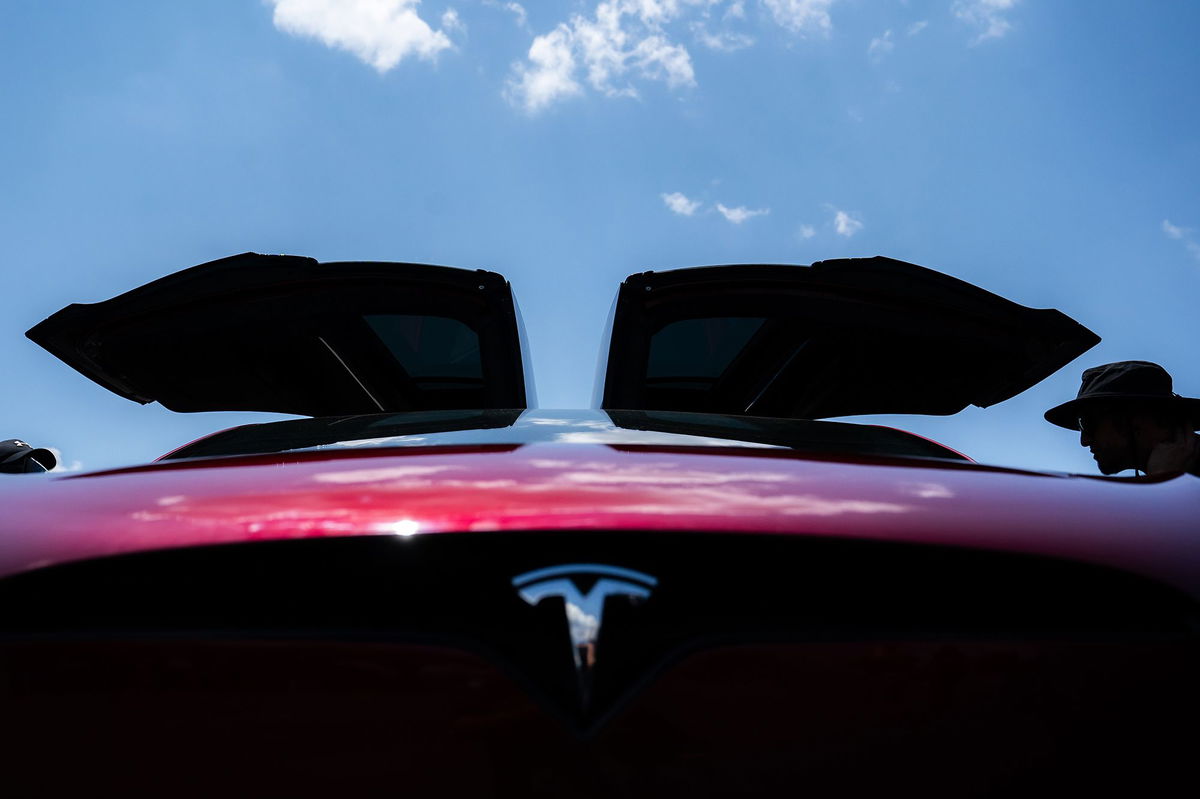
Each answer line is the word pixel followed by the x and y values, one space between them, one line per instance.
pixel 381 474
pixel 379 32
pixel 664 474
pixel 548 463
pixel 929 490
pixel 729 501
pixel 805 505
pixel 616 435
pixel 667 488
pixel 553 421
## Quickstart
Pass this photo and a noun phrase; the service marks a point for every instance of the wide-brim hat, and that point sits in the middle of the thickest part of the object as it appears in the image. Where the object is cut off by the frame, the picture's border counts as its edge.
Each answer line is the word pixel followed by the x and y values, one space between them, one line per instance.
pixel 1145 384
pixel 16 454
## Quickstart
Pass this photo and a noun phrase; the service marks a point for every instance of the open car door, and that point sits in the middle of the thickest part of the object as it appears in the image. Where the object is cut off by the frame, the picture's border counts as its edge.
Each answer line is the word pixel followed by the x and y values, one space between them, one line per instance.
pixel 286 334
pixel 838 338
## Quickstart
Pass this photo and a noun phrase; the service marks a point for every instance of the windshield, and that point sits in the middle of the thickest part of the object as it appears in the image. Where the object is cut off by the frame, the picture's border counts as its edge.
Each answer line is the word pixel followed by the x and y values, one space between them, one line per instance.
pixel 516 427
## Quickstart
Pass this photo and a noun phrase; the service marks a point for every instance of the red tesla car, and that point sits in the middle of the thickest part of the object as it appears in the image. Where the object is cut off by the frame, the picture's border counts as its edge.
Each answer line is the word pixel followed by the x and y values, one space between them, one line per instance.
pixel 430 587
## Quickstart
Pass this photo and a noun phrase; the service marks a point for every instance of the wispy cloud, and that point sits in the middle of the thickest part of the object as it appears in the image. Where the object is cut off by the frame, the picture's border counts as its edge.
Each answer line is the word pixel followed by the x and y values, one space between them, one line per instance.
pixel 451 21
pixel 516 9
pixel 740 214
pixel 916 27
pixel 806 231
pixel 1173 231
pixel 1183 234
pixel 845 224
pixel 63 466
pixel 549 75
pixel 622 40
pixel 987 16
pixel 381 33
pixel 802 16
pixel 610 46
pixel 679 203
pixel 721 41
pixel 881 46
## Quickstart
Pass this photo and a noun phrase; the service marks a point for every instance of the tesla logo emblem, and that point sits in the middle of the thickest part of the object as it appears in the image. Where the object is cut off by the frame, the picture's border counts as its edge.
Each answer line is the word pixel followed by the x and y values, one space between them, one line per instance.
pixel 584 608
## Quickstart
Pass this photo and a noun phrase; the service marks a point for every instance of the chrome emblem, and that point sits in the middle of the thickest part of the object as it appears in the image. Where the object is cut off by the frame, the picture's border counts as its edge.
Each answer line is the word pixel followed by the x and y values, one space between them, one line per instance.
pixel 585 610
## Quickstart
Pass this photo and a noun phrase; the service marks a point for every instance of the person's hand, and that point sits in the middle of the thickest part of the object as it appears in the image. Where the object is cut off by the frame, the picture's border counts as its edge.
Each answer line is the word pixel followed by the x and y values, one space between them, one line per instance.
pixel 1175 455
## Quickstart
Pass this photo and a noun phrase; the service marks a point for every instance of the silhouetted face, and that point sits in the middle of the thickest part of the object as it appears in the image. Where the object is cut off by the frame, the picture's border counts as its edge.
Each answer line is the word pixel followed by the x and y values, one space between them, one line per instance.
pixel 1124 436
pixel 1111 440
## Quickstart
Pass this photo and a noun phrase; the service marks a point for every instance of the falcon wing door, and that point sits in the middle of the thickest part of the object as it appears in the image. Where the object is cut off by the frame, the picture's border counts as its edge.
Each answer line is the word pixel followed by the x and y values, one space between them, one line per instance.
pixel 838 338
pixel 287 334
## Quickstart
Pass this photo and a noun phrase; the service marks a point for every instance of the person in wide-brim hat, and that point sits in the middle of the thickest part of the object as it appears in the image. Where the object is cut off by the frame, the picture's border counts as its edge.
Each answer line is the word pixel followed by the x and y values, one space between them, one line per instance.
pixel 1129 416
pixel 16 456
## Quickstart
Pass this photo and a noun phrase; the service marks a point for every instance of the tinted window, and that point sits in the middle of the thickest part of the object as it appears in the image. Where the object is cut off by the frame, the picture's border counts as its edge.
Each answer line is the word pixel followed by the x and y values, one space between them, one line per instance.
pixel 430 346
pixel 699 348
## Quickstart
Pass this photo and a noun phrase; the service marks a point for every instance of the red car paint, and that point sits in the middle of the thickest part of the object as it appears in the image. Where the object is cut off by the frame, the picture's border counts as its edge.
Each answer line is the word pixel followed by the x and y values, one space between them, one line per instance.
pixel 1145 526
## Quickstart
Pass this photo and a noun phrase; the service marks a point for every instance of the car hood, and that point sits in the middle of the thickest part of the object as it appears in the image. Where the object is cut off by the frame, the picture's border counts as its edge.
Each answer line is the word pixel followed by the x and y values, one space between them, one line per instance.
pixel 1140 525
pixel 837 338
pixel 287 334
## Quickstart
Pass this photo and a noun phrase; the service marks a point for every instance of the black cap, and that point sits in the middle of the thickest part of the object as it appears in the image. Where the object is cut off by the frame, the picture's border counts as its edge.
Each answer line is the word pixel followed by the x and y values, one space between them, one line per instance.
pixel 16 456
pixel 1131 382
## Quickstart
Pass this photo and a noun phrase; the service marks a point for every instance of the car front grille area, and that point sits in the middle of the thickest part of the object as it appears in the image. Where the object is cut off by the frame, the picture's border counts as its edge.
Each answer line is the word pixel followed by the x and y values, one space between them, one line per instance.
pixel 747 661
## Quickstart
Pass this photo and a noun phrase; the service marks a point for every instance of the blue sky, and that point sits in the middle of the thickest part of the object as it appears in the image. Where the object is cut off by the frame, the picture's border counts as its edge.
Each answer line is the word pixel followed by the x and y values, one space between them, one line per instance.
pixel 1047 151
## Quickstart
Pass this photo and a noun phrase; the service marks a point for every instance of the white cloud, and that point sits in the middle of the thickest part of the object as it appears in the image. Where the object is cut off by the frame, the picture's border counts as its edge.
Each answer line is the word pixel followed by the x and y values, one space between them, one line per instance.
pixel 987 15
pixel 549 75
pixel 721 41
pixel 1172 231
pixel 622 40
pixel 679 203
pixel 614 44
pixel 63 466
pixel 660 59
pixel 802 16
pixel 379 32
pixel 519 11
pixel 881 46
pixel 451 21
pixel 916 27
pixel 1183 234
pixel 807 231
pixel 516 9
pixel 740 214
pixel 845 224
